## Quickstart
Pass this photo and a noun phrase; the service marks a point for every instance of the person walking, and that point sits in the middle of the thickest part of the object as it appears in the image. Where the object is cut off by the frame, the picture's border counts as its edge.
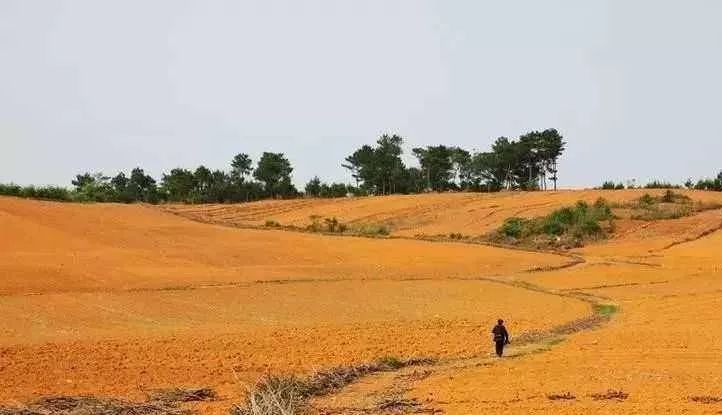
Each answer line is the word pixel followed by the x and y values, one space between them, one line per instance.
pixel 501 337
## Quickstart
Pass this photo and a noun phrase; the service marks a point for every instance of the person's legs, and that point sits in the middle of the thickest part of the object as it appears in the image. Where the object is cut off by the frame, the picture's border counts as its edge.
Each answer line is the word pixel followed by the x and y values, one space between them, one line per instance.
pixel 499 348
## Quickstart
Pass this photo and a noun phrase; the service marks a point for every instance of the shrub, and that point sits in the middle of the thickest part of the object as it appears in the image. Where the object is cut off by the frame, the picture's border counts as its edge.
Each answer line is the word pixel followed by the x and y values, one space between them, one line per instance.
pixel 274 395
pixel 288 395
pixel 37 192
pixel 372 229
pixel 646 199
pixel 672 197
pixel 670 205
pixel 608 185
pixel 567 225
pixel 513 227
pixel 657 184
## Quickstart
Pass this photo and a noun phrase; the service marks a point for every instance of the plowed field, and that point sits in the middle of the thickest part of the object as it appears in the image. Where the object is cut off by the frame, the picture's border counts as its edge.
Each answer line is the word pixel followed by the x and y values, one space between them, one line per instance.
pixel 114 300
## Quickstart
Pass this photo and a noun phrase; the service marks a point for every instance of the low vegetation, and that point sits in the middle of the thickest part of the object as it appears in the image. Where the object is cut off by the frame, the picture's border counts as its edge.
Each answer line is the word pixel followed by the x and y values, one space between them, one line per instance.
pixel 37 192
pixel 670 205
pixel 713 184
pixel 605 310
pixel 610 395
pixel 610 185
pixel 706 399
pixel 175 395
pixel 563 228
pixel 88 405
pixel 285 395
pixel 332 225
pixel 566 396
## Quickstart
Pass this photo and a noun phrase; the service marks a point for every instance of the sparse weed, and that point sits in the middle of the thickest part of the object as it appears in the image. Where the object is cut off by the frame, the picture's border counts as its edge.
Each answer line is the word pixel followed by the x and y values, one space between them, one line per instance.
pixel 566 396
pixel 610 395
pixel 670 205
pixel 274 395
pixel 84 405
pixel 182 395
pixel 288 395
pixel 706 399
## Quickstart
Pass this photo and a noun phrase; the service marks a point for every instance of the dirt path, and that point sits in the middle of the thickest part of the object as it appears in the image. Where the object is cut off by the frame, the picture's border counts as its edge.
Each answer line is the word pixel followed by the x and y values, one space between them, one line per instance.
pixel 387 392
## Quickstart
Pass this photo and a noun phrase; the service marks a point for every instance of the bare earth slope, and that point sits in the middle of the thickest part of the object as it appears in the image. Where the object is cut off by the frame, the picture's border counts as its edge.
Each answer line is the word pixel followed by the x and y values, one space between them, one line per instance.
pixel 114 300
pixel 411 215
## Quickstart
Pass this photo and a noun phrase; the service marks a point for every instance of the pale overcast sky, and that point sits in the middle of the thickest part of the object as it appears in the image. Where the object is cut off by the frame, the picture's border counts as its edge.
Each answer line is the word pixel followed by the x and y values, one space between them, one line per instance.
pixel 634 86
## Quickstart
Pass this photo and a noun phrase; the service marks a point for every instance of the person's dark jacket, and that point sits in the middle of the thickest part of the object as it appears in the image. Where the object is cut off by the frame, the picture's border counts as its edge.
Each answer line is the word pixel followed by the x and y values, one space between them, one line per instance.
pixel 500 334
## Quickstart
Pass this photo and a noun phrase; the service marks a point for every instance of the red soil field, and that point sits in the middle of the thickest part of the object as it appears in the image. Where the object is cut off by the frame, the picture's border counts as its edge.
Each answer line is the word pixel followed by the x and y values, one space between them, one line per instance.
pixel 114 300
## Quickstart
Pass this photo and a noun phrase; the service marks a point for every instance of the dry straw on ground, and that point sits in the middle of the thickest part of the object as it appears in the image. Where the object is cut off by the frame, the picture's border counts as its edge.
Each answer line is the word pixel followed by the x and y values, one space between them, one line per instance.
pixel 288 395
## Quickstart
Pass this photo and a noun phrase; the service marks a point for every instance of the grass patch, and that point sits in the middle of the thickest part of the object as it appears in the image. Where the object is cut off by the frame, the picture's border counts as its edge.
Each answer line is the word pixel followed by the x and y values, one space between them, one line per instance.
pixel 605 310
pixel 565 228
pixel 670 205
pixel 333 225
pixel 272 224
pixel 371 229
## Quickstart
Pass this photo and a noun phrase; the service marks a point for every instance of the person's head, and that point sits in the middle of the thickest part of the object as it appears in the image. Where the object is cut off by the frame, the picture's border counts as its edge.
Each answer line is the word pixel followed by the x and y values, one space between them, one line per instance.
pixel 500 322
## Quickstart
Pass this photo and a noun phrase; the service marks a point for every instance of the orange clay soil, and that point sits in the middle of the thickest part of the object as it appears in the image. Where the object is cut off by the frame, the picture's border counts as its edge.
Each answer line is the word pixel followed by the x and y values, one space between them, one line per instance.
pixel 470 214
pixel 663 348
pixel 129 298
pixel 51 247
pixel 115 299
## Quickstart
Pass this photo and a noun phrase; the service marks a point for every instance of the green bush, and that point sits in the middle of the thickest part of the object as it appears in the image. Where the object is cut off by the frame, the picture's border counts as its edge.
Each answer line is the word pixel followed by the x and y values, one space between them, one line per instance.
pixel 513 227
pixel 37 192
pixel 656 184
pixel 608 185
pixel 372 229
pixel 577 223
pixel 646 200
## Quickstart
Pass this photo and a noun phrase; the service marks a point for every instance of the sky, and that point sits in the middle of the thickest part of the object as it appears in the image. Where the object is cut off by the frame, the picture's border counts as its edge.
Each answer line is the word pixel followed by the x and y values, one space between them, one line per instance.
pixel 635 87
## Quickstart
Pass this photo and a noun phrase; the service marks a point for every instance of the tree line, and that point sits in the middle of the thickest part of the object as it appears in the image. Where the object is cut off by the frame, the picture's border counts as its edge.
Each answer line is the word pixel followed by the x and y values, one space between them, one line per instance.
pixel 528 163
pixel 271 178
pixel 710 184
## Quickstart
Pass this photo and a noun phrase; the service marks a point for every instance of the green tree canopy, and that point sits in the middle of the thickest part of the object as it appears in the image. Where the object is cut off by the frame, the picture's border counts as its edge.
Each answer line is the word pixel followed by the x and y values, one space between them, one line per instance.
pixel 274 171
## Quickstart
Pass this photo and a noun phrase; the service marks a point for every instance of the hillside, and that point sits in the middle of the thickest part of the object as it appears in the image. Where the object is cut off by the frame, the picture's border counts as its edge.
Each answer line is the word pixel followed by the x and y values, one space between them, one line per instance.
pixel 115 300
pixel 411 215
